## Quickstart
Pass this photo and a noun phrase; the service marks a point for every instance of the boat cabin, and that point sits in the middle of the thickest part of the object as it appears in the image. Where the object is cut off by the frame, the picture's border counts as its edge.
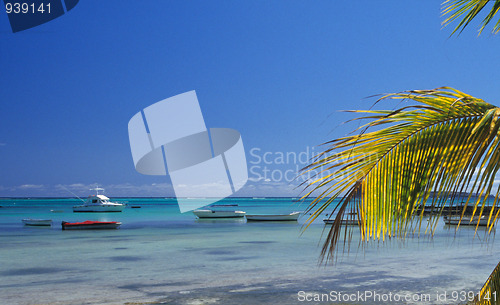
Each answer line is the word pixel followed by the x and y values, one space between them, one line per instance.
pixel 97 199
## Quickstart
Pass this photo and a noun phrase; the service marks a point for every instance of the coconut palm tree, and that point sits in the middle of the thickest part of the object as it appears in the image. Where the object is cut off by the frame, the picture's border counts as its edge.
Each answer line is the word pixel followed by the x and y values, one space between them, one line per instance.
pixel 444 142
pixel 469 10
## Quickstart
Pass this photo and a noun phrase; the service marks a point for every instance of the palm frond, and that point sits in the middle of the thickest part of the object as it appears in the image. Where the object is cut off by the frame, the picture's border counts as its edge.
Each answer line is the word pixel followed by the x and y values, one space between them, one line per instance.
pixel 489 292
pixel 469 10
pixel 447 143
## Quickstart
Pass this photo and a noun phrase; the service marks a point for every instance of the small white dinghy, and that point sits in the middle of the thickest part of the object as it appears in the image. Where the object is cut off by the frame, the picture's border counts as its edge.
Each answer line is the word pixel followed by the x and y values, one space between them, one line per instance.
pixel 273 217
pixel 218 213
pixel 37 222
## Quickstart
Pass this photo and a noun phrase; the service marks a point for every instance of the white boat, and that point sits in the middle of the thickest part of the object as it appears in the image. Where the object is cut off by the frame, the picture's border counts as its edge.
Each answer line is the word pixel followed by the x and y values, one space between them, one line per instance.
pixel 221 220
pixel 99 203
pixel 466 220
pixel 37 222
pixel 274 217
pixel 209 213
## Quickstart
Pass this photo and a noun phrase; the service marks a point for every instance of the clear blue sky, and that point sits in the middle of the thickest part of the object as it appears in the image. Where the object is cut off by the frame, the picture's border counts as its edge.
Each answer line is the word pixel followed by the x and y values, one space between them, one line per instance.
pixel 273 70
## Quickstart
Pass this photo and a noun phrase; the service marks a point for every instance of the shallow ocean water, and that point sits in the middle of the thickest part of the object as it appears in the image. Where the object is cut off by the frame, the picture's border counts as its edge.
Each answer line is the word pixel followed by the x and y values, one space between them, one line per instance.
pixel 162 256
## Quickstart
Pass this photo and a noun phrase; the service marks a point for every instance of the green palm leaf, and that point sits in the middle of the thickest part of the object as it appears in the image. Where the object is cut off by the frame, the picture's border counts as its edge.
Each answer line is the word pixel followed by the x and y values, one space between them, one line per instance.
pixel 489 294
pixel 468 10
pixel 445 144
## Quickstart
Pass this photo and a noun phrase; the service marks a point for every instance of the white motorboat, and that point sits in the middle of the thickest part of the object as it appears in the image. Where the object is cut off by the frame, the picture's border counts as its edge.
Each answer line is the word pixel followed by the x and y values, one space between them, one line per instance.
pixel 212 213
pixel 37 222
pixel 99 203
pixel 273 217
pixel 466 220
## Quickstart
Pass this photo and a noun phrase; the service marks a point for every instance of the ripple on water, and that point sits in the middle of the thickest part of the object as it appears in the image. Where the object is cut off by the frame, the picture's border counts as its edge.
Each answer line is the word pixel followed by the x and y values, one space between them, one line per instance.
pixel 32 271
pixel 257 242
pixel 220 252
pixel 237 258
pixel 126 258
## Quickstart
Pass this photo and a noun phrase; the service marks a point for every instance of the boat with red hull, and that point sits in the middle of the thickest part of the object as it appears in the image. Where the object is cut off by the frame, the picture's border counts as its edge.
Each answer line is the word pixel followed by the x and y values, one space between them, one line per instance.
pixel 90 225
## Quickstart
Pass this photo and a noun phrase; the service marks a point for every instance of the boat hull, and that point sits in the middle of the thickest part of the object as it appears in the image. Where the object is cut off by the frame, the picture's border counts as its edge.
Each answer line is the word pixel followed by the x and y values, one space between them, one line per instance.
pixel 37 222
pixel 218 214
pixel 90 225
pixel 453 221
pixel 276 217
pixel 98 209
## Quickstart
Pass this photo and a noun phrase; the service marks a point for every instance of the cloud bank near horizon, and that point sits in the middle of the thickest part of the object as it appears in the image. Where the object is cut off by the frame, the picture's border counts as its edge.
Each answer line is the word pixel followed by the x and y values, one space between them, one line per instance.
pixel 256 188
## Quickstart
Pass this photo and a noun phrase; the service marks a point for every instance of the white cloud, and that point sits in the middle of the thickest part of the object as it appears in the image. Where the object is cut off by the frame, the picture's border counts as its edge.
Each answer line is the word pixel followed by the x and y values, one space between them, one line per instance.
pixel 257 179
pixel 261 188
pixel 267 188
pixel 30 186
pixel 117 190
pixel 74 186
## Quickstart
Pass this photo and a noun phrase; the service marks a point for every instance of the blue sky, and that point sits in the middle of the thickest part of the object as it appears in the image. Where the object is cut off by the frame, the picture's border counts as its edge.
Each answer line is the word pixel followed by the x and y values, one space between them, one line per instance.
pixel 277 71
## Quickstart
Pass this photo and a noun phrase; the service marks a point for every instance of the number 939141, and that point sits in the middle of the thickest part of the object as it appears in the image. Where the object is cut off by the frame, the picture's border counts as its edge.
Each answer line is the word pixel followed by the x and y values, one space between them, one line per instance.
pixel 27 8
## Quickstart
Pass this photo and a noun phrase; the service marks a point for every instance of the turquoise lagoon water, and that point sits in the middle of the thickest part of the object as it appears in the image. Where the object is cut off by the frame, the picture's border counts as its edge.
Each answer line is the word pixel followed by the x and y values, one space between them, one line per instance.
pixel 160 256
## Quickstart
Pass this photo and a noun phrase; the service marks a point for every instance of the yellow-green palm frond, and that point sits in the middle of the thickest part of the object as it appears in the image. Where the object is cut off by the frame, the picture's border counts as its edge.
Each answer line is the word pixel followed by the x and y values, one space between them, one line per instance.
pixel 468 10
pixel 489 294
pixel 405 159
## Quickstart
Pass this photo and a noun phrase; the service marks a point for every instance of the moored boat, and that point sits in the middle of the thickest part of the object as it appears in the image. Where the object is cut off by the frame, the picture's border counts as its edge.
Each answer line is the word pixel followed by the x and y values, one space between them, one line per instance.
pixel 37 222
pixel 273 217
pixel 99 203
pixel 210 213
pixel 90 225
pixel 466 221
